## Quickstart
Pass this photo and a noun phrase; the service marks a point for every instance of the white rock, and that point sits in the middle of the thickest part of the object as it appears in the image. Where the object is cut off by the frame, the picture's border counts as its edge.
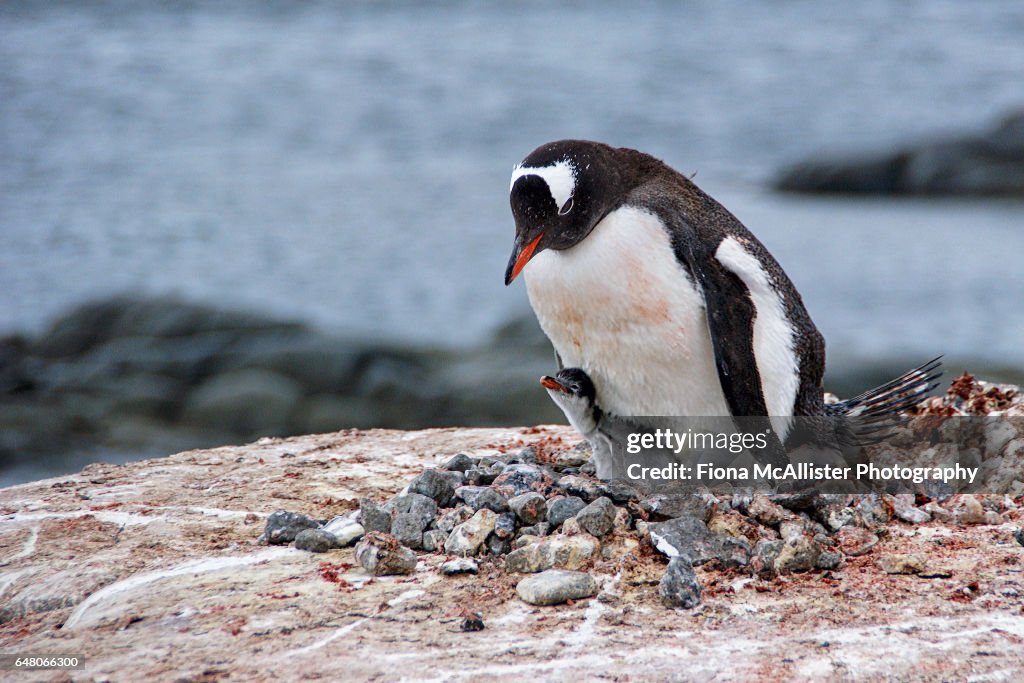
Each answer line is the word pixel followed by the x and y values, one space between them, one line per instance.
pixel 468 537
pixel 462 565
pixel 345 528
pixel 913 515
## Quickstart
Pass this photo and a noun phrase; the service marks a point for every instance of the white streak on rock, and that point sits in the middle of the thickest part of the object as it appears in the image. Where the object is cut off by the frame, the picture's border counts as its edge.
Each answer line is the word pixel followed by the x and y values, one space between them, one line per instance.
pixel 583 636
pixel 215 512
pixel 343 631
pixel 203 566
pixel 662 544
pixel 27 549
pixel 348 628
pixel 109 516
pixel 122 491
pixel 7 579
pixel 406 596
pixel 517 615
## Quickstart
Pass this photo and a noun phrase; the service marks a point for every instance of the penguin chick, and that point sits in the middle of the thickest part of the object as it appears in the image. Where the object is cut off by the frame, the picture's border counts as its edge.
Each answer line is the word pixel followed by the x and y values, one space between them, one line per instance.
pixel 573 392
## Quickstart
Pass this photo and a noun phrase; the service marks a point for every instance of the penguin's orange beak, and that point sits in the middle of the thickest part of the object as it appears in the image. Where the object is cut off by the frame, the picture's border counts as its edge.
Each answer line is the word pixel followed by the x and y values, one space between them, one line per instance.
pixel 551 383
pixel 521 255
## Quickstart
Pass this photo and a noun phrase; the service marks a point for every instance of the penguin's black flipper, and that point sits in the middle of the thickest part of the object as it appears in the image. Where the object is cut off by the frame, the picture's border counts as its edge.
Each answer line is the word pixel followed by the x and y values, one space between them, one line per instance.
pixel 730 316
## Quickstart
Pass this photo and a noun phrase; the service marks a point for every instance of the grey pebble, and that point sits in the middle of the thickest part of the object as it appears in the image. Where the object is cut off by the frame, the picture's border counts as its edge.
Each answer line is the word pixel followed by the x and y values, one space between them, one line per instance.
pixel 434 539
pixel 690 538
pixel 434 485
pixel 519 479
pixel 561 509
pixel 539 529
pixel 455 477
pixel 468 537
pixel 505 527
pixel 460 462
pixel 673 505
pixel 498 546
pixel 679 586
pixel 345 528
pixel 530 508
pixel 555 586
pixel 315 540
pixel 526 455
pixel 501 459
pixel 478 497
pixel 913 515
pixel 798 554
pixel 373 517
pixel 282 527
pixel 598 518
pixel 407 527
pixel 452 519
pixel 767 550
pixel 424 507
pixel 619 492
pixel 484 476
pixel 573 485
pixel 829 560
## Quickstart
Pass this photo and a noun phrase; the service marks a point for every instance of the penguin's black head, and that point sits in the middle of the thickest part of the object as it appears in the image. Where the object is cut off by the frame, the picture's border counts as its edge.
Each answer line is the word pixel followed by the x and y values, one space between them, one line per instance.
pixel 573 392
pixel 573 382
pixel 558 194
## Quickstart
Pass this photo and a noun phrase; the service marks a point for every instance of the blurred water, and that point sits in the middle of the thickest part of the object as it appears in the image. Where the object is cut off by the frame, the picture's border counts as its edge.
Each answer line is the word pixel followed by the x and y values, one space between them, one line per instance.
pixel 347 163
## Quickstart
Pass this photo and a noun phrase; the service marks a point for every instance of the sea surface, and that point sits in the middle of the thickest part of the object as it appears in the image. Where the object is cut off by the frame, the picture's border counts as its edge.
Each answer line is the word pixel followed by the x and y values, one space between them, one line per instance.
pixel 347 164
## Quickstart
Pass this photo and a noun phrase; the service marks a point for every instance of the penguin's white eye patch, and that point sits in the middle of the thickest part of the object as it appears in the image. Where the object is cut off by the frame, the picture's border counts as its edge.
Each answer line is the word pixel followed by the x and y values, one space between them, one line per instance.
pixel 566 208
pixel 559 176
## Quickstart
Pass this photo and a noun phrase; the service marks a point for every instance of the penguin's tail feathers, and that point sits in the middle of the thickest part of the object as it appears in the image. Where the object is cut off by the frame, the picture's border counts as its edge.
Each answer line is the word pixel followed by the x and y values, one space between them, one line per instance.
pixel 893 397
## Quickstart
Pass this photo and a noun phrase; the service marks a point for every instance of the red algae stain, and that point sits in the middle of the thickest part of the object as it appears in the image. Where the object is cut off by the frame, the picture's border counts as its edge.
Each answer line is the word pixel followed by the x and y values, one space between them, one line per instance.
pixel 330 572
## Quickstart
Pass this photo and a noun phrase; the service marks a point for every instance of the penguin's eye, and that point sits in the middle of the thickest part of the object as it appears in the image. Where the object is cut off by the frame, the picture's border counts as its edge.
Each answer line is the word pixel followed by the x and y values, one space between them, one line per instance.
pixel 566 208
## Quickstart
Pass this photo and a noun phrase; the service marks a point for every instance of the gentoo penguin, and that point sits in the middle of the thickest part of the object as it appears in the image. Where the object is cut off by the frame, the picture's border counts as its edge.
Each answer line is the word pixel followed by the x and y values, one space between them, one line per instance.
pixel 658 293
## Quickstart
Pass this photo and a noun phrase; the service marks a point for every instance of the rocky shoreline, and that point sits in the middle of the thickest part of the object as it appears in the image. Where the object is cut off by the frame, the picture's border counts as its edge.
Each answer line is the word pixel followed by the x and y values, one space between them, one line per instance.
pixel 131 377
pixel 989 163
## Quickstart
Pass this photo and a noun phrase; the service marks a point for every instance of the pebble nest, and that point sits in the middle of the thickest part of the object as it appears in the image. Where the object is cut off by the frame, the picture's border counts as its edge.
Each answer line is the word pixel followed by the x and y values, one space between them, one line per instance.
pixel 541 514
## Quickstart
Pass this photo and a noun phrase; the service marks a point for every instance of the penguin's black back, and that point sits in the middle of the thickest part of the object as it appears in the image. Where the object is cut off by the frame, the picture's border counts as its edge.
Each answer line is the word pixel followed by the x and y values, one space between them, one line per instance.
pixel 691 215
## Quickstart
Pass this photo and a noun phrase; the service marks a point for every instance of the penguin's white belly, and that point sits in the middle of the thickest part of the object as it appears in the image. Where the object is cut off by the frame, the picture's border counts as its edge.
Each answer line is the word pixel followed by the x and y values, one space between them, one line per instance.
pixel 621 307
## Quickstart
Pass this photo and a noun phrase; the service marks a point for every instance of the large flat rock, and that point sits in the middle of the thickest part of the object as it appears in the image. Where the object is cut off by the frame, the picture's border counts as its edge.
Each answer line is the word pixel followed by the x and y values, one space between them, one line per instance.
pixel 152 571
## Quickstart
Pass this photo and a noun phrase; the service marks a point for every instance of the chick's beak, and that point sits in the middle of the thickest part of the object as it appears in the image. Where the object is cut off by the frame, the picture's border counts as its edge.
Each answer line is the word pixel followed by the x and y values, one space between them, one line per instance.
pixel 521 255
pixel 551 383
